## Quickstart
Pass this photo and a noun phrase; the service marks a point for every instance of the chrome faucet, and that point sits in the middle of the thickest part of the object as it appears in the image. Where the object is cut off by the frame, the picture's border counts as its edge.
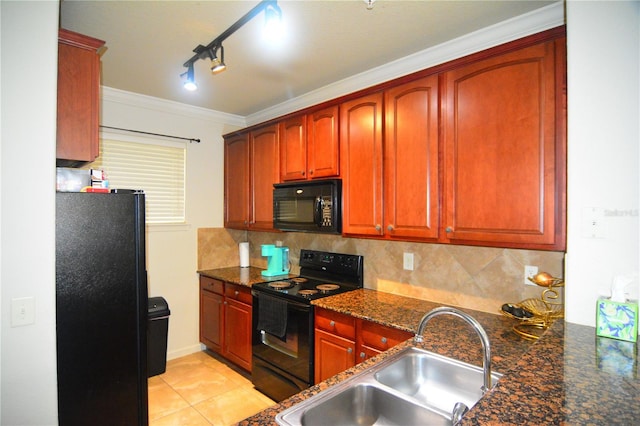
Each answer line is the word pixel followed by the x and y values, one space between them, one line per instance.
pixel 486 348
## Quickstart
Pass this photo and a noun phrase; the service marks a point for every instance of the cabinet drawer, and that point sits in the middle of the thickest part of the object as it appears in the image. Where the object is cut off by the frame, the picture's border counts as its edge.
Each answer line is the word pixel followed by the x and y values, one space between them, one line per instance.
pixel 336 323
pixel 380 337
pixel 211 284
pixel 239 293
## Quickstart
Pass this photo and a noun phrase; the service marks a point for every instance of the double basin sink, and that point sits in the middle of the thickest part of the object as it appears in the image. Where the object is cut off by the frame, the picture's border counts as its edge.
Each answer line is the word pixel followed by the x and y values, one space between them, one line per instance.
pixel 411 387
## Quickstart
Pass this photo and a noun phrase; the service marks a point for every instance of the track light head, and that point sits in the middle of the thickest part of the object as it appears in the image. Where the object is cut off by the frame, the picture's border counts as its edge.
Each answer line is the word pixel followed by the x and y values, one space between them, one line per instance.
pixel 217 62
pixel 189 80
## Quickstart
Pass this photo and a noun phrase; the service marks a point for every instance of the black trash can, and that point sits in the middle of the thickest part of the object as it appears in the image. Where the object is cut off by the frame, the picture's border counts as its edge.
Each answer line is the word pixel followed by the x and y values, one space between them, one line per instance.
pixel 158 327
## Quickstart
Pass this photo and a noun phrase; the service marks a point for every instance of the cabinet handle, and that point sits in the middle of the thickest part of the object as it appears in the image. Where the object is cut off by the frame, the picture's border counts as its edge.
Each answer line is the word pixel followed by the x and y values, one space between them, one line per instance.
pixel 448 229
pixel 378 228
pixel 332 323
pixel 384 340
pixel 310 172
pixel 302 172
pixel 363 355
pixel 236 293
pixel 349 350
pixel 224 303
pixel 390 228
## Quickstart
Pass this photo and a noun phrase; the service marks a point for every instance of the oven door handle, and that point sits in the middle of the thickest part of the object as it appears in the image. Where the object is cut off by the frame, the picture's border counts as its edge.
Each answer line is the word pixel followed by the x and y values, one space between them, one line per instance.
pixel 300 306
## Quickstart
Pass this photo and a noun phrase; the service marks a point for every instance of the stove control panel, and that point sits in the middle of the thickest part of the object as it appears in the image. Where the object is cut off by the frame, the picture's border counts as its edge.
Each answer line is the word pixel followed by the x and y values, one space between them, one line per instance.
pixel 334 263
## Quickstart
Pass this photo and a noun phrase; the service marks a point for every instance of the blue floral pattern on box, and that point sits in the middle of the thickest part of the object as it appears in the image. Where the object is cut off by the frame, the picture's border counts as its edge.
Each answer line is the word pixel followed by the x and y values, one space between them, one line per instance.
pixel 617 320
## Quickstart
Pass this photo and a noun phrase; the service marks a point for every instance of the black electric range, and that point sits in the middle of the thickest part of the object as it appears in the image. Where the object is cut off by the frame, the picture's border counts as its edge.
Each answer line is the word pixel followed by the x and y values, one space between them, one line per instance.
pixel 283 320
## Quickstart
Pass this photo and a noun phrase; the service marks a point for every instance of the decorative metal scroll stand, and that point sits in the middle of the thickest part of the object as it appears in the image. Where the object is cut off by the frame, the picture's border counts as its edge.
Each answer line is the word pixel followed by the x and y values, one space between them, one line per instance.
pixel 546 309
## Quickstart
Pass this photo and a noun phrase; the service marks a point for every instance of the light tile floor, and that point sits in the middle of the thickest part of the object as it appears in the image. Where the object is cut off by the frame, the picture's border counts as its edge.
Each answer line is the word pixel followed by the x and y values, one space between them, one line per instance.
pixel 199 389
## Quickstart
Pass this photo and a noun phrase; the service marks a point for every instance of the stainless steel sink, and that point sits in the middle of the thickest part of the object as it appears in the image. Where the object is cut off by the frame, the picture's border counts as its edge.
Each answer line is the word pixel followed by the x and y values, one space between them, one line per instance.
pixel 364 404
pixel 434 380
pixel 411 387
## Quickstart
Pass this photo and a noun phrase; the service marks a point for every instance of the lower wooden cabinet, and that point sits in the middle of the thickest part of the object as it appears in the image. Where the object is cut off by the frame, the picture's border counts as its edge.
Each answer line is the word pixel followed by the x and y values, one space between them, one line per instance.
pixel 342 341
pixel 225 320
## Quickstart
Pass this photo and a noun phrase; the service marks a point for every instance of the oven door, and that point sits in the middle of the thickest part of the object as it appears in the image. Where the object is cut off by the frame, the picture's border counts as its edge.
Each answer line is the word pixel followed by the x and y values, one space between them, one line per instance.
pixel 283 363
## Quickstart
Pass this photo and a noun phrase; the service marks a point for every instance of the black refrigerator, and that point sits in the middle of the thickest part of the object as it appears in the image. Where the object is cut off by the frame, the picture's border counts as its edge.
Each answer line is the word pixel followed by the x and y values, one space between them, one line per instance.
pixel 101 308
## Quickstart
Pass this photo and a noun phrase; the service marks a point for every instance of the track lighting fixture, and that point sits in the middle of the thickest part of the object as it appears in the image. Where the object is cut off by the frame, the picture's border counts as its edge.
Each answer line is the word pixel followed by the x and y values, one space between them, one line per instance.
pixel 369 4
pixel 189 81
pixel 273 16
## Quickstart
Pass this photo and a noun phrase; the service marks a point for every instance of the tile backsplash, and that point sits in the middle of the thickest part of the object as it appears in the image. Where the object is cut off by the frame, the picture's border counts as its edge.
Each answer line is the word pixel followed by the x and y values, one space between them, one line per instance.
pixel 480 278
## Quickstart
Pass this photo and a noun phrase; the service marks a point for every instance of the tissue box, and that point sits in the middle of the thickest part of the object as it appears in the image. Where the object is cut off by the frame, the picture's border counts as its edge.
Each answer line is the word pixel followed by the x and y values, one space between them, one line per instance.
pixel 617 320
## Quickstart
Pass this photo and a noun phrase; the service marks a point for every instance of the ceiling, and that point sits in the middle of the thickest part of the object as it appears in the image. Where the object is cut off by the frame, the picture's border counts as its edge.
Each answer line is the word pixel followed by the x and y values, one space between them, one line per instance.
pixel 149 41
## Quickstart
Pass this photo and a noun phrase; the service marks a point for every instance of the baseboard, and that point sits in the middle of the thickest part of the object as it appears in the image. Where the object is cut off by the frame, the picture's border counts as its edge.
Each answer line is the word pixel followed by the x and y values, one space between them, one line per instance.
pixel 185 351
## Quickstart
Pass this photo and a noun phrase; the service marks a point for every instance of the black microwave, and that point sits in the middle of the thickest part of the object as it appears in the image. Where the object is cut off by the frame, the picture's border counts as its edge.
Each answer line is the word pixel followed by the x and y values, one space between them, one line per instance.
pixel 310 206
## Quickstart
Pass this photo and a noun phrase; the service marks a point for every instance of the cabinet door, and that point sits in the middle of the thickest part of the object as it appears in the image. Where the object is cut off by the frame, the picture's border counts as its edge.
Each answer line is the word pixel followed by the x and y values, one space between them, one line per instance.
pixel 333 354
pixel 500 145
pixel 237 336
pixel 236 182
pixel 265 171
pixel 78 98
pixel 293 149
pixel 411 160
pixel 211 320
pixel 323 149
pixel 361 165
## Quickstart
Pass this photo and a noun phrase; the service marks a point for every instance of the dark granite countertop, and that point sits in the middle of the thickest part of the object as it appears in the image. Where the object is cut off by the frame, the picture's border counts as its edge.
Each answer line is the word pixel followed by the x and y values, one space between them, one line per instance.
pixel 569 376
pixel 241 276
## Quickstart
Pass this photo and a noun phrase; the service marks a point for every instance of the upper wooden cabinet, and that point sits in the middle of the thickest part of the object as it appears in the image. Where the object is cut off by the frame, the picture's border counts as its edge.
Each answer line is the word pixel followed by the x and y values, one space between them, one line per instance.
pixel 361 152
pixel 236 181
pixel 411 188
pixel 264 173
pixel 251 169
pixel 77 139
pixel 390 184
pixel 504 149
pixel 309 146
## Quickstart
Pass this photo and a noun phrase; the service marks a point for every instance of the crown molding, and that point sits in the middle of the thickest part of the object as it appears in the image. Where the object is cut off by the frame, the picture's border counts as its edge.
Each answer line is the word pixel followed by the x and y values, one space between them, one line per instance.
pixel 539 20
pixel 109 94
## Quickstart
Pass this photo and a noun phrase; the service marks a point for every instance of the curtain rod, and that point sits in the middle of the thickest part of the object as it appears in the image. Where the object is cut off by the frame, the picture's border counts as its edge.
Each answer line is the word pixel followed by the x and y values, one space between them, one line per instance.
pixel 153 134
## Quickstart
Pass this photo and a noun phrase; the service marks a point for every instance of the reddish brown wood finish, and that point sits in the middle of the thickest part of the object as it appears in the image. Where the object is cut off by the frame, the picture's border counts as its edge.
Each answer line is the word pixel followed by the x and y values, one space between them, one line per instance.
pixel 361 154
pixel 411 196
pixel 265 171
pixel 500 144
pixel 78 98
pixel 211 313
pixel 236 181
pixel 323 148
pixel 309 146
pixel 226 320
pixel 237 331
pixel 293 148
pixel 333 354
pixel 341 341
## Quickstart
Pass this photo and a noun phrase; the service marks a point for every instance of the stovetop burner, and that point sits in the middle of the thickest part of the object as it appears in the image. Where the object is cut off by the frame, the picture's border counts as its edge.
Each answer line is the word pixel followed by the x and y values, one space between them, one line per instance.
pixel 280 285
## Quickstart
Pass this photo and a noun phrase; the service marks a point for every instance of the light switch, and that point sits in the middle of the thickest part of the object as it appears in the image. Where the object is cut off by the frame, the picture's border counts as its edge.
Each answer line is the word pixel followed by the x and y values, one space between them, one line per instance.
pixel 23 311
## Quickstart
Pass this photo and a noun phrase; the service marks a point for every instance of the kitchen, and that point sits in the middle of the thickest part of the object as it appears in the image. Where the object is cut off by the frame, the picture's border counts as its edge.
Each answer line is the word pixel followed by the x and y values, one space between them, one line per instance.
pixel 589 262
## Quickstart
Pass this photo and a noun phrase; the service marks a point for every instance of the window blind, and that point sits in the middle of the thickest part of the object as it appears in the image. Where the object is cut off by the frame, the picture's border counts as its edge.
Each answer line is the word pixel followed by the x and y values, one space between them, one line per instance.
pixel 157 169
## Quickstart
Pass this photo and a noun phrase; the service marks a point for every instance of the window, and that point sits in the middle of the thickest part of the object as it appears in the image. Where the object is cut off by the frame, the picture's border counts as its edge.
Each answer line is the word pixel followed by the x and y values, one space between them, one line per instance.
pixel 158 168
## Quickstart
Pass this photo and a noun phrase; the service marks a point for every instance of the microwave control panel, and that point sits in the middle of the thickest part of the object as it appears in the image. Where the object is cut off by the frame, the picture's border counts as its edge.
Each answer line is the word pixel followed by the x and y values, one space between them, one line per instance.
pixel 326 211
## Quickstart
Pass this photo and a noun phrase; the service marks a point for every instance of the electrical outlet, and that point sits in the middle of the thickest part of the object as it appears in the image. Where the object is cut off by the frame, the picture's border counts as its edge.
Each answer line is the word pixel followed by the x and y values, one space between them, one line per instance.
pixel 529 272
pixel 407 261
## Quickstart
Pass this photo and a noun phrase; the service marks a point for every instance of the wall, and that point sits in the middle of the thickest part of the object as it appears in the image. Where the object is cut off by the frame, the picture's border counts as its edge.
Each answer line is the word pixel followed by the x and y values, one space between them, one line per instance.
pixel 29 37
pixel 603 40
pixel 171 249
pixel 478 278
